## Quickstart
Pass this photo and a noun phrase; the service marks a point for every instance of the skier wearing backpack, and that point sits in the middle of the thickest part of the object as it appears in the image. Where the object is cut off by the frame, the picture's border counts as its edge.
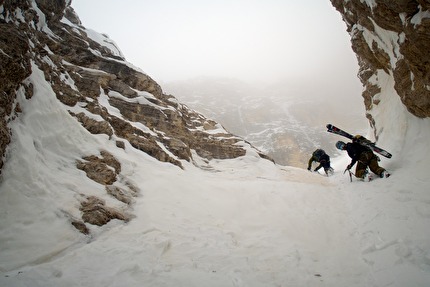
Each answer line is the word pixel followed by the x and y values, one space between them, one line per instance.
pixel 323 159
pixel 364 157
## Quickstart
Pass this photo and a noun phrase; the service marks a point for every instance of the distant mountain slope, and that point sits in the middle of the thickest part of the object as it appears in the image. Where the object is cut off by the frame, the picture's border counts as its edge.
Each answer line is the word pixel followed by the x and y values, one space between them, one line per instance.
pixel 285 120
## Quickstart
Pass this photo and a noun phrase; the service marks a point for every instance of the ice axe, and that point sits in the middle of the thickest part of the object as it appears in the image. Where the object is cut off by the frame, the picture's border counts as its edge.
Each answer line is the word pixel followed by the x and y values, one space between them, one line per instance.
pixel 350 173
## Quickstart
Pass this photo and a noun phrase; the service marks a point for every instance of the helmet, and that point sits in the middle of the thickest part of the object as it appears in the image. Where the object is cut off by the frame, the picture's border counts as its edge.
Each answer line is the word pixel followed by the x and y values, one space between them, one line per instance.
pixel 340 145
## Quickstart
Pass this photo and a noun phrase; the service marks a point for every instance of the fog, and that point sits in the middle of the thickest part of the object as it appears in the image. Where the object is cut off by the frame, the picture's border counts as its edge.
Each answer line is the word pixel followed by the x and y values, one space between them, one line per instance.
pixel 295 57
pixel 264 41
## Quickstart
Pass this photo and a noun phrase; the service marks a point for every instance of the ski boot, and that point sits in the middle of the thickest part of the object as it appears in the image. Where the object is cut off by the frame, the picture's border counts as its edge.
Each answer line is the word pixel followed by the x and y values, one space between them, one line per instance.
pixel 384 174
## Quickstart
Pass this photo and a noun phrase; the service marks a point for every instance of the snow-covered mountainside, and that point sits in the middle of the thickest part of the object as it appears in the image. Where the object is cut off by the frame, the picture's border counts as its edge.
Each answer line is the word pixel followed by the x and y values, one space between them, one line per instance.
pixel 47 53
pixel 107 181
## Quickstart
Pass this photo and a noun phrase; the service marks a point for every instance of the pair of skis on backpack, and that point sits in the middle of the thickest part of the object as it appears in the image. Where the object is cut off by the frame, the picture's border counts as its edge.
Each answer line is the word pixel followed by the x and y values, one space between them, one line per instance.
pixel 361 140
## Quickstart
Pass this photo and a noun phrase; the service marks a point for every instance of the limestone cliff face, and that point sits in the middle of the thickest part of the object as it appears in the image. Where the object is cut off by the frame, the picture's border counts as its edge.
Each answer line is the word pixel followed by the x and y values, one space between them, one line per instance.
pixel 104 93
pixel 391 38
pixel 82 69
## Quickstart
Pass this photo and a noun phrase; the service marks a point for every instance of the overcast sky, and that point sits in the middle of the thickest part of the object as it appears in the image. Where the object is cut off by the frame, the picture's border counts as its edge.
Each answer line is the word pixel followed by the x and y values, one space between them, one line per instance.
pixel 264 40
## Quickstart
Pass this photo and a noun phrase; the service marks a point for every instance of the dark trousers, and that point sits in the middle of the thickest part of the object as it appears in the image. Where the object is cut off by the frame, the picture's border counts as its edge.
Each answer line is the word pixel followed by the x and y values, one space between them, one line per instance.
pixel 368 159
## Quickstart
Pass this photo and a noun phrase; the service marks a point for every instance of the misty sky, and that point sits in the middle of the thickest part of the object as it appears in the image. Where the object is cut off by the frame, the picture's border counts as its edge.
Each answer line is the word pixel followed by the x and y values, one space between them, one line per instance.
pixel 245 39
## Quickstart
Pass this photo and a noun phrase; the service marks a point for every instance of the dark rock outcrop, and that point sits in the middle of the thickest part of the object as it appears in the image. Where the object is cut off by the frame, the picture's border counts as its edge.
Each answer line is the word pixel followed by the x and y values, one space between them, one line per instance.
pixel 15 67
pixel 392 36
pixel 96 212
pixel 103 170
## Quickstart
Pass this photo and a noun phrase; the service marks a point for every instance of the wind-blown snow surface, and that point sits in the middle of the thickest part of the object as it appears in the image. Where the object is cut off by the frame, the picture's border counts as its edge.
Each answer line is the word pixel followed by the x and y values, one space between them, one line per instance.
pixel 241 222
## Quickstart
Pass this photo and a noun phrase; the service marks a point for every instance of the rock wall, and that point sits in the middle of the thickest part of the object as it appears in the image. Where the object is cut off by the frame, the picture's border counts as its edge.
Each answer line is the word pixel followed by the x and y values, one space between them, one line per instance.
pixel 15 67
pixel 393 37
pixel 82 68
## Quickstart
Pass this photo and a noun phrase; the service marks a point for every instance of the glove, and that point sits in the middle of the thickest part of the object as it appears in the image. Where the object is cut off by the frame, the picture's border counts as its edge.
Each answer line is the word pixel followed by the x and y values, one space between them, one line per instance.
pixel 349 166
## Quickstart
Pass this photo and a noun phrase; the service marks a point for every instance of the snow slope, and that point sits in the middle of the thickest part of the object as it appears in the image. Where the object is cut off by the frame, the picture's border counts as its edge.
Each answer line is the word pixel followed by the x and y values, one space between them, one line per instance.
pixel 241 222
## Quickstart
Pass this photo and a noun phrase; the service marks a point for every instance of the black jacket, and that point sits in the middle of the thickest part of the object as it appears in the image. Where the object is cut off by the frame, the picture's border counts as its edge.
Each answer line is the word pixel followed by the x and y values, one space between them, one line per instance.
pixel 355 150
pixel 324 161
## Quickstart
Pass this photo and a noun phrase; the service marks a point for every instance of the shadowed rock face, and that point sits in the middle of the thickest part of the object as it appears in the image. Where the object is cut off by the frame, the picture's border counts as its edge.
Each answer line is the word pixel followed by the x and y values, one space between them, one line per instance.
pixel 393 36
pixel 15 67
pixel 105 94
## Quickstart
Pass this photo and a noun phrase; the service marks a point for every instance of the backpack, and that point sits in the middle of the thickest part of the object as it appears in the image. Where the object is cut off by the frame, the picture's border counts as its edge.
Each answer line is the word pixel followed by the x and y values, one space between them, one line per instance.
pixel 361 140
pixel 318 154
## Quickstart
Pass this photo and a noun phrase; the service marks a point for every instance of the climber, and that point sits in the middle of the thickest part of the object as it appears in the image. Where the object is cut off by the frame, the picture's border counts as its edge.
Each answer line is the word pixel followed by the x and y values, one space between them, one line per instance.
pixel 323 159
pixel 364 157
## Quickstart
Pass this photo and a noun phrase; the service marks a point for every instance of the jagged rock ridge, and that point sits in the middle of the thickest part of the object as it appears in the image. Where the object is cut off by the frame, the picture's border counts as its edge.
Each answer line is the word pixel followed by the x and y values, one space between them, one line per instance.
pixel 391 38
pixel 105 93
